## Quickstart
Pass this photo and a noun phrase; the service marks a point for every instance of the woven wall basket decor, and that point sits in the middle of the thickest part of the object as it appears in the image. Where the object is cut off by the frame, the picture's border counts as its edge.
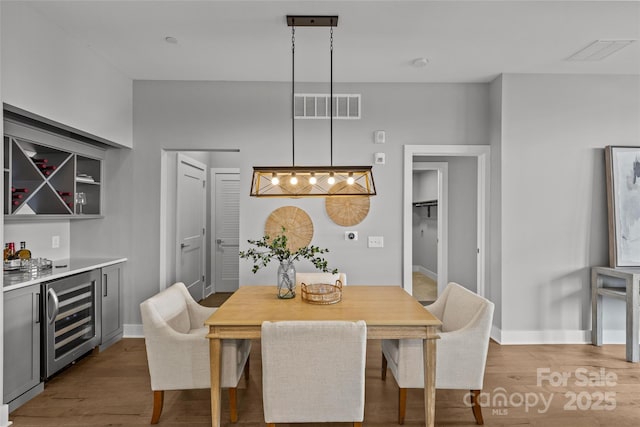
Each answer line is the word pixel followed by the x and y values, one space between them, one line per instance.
pixel 348 210
pixel 297 223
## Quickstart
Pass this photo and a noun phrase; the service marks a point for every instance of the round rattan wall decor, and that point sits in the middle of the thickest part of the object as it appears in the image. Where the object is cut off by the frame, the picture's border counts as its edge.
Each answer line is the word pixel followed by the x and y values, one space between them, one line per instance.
pixel 347 210
pixel 297 223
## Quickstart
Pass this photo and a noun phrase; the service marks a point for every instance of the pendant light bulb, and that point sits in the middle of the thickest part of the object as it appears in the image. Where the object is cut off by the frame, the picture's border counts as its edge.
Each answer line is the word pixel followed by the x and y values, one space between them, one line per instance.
pixel 332 179
pixel 312 179
pixel 294 179
pixel 350 180
pixel 274 179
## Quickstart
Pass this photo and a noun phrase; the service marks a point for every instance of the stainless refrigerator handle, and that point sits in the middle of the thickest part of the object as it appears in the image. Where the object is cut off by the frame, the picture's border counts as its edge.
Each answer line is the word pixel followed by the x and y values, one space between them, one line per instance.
pixel 56 305
pixel 106 284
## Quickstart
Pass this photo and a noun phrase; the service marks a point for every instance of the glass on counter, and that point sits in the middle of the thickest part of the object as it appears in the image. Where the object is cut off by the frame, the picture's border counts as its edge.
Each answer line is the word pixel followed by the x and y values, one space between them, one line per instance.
pixel 35 264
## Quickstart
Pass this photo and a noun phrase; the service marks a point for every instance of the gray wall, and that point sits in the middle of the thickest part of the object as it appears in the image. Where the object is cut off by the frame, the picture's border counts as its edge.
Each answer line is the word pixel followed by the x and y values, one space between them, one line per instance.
pixel 494 281
pixel 254 117
pixel 554 208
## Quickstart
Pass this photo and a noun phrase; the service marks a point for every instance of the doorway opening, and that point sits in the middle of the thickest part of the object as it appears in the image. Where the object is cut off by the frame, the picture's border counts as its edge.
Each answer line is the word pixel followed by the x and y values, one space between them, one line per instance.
pixel 170 197
pixel 423 153
pixel 429 225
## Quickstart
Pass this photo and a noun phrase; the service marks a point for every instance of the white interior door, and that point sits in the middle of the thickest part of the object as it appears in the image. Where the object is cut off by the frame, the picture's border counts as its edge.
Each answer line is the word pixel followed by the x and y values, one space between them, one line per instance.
pixel 226 200
pixel 190 224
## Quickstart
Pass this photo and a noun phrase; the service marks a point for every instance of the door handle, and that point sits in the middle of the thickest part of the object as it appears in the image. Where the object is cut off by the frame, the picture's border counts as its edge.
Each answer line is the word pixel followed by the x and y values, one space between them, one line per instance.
pixel 106 284
pixel 37 307
pixel 219 241
pixel 184 245
pixel 56 305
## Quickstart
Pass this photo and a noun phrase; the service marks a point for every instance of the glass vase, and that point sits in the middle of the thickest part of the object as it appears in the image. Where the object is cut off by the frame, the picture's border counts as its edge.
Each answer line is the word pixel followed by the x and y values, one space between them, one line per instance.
pixel 286 280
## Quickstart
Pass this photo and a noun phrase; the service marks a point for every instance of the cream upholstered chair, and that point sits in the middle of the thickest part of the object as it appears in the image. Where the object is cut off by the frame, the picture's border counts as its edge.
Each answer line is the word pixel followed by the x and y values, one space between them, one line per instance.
pixel 178 351
pixel 305 380
pixel 312 278
pixel 461 351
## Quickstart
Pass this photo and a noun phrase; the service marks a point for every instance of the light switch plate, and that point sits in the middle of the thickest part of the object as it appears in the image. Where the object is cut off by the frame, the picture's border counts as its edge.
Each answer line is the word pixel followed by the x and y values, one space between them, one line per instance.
pixel 55 242
pixel 376 242
pixel 379 137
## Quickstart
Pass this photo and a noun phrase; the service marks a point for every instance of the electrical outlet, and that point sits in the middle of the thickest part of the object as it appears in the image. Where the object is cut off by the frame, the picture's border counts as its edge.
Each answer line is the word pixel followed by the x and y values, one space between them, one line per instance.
pixel 350 235
pixel 376 242
pixel 55 242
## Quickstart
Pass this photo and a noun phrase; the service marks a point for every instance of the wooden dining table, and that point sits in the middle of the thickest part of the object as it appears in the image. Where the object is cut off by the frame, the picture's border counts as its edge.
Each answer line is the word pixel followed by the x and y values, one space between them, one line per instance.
pixel 388 311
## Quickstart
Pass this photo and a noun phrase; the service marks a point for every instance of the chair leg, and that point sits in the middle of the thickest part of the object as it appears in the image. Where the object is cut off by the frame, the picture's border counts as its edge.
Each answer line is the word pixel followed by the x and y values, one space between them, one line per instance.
pixel 475 407
pixel 271 424
pixel 246 370
pixel 357 424
pixel 158 400
pixel 384 368
pixel 233 404
pixel 402 405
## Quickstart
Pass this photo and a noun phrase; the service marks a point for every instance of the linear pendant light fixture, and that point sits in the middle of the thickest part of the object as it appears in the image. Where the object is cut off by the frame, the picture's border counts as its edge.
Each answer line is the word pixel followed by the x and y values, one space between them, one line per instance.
pixel 311 181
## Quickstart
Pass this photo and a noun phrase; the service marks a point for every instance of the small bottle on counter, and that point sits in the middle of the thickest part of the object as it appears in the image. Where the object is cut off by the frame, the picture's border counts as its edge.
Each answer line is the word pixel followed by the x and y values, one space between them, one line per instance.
pixel 10 251
pixel 24 253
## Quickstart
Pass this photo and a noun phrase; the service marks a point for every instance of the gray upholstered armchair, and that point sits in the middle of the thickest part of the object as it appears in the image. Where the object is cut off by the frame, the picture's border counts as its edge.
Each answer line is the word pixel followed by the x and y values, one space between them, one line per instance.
pixel 178 351
pixel 461 351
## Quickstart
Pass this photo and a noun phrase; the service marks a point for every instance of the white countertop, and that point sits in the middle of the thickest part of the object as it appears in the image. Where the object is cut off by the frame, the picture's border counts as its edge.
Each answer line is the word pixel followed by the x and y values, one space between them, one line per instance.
pixel 61 268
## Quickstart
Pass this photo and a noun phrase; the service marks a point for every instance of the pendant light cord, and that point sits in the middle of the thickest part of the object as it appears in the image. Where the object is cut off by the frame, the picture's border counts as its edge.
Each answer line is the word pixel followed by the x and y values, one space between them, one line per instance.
pixel 293 95
pixel 331 90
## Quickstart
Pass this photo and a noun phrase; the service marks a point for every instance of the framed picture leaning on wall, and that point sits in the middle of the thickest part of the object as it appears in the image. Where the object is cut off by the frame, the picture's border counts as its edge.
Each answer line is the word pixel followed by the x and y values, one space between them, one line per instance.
pixel 623 201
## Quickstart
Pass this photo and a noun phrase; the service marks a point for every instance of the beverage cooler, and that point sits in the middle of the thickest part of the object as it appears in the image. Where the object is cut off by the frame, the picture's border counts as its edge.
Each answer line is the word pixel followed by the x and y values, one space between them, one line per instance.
pixel 72 319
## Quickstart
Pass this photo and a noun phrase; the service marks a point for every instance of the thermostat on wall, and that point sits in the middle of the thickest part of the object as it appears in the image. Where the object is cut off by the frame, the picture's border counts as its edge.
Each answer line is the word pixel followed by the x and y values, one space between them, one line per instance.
pixel 379 158
pixel 379 137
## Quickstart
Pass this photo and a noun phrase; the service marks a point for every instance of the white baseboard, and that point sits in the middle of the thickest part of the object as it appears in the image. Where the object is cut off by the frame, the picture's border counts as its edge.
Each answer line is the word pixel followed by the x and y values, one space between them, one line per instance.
pixel 496 334
pixel 430 274
pixel 132 331
pixel 553 337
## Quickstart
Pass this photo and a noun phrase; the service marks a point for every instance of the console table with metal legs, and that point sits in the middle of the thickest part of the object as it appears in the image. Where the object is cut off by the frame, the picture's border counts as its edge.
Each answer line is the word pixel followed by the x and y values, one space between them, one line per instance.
pixel 603 283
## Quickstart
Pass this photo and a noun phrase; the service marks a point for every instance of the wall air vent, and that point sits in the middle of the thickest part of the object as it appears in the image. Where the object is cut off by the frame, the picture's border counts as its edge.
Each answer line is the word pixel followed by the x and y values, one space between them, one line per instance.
pixel 316 106
pixel 599 49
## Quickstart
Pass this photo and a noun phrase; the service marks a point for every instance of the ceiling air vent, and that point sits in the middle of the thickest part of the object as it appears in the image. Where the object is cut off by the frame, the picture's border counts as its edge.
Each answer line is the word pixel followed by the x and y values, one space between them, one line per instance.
pixel 316 106
pixel 599 49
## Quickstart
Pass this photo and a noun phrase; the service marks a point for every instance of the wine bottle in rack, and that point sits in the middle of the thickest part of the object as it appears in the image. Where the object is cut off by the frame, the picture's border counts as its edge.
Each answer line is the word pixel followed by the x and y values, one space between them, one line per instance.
pixel 64 193
pixel 19 190
pixel 47 167
pixel 17 196
pixel 15 203
pixel 40 161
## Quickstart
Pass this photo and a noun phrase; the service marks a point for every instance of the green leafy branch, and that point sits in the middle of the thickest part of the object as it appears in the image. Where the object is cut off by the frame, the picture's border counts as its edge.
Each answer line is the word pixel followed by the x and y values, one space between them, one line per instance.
pixel 268 249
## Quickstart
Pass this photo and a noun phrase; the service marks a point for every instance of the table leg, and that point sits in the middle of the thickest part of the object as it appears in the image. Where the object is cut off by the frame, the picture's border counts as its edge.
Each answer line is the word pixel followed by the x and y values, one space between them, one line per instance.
pixel 429 352
pixel 596 309
pixel 214 357
pixel 633 318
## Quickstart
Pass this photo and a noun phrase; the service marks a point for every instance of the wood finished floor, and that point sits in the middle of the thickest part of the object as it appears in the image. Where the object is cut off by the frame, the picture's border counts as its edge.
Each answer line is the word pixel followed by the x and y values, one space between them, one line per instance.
pixel 112 389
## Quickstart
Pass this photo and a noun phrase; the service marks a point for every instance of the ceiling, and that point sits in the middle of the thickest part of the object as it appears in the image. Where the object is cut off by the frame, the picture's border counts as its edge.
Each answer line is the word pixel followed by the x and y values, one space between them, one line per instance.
pixel 375 41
